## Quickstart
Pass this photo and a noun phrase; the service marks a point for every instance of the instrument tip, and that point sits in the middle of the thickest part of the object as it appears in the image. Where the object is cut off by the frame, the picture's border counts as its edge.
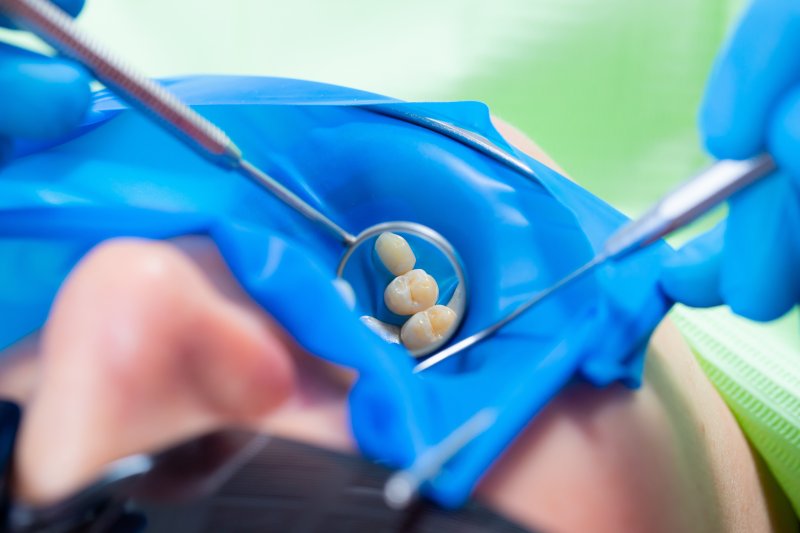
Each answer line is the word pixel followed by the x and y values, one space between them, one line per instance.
pixel 400 490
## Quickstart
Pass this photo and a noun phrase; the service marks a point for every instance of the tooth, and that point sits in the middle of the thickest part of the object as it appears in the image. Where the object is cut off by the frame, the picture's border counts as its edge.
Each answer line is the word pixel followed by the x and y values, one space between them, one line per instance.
pixel 395 253
pixel 410 293
pixel 442 319
pixel 427 327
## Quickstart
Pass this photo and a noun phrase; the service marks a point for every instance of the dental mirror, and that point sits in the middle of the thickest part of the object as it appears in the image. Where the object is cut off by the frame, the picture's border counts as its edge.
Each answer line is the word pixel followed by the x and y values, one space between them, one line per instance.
pixel 409 281
pixel 429 321
pixel 421 322
pixel 413 313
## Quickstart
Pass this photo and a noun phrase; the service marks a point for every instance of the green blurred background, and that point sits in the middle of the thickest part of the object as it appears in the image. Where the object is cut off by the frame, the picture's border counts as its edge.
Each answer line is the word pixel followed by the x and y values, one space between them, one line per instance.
pixel 609 88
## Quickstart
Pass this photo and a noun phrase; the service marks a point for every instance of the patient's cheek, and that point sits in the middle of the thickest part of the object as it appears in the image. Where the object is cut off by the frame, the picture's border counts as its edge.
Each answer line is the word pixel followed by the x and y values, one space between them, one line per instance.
pixel 593 460
pixel 140 351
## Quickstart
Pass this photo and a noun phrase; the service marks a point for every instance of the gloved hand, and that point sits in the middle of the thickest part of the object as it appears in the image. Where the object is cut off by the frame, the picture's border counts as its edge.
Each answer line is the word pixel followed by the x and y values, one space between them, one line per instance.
pixel 39 96
pixel 752 104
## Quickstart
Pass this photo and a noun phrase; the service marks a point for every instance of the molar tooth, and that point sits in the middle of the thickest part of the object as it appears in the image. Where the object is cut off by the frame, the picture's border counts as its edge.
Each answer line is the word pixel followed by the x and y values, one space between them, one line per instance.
pixel 427 327
pixel 442 319
pixel 395 253
pixel 410 293
pixel 417 332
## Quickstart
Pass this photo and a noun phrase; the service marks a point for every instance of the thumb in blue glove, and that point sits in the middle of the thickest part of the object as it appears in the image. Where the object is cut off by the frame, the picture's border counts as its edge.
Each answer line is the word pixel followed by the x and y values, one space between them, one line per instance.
pixel 752 105
pixel 39 96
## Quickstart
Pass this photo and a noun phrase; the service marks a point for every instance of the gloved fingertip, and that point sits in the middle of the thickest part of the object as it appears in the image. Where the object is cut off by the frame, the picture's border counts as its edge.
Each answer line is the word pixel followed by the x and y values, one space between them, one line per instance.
pixel 757 65
pixel 758 278
pixel 760 309
pixel 728 128
pixel 72 7
pixel 690 285
pixel 714 122
pixel 731 146
pixel 691 275
pixel 51 99
pixel 74 99
pixel 725 134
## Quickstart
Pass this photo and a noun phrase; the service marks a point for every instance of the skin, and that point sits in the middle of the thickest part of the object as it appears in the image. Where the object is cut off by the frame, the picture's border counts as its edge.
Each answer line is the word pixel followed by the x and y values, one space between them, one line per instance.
pixel 149 343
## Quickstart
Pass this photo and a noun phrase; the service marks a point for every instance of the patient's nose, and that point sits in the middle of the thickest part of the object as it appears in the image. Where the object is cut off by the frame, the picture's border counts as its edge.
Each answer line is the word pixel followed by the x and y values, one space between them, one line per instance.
pixel 140 351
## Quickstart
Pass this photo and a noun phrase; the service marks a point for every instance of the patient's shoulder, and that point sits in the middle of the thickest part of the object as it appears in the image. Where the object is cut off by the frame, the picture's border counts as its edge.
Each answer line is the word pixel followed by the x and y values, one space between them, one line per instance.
pixel 667 457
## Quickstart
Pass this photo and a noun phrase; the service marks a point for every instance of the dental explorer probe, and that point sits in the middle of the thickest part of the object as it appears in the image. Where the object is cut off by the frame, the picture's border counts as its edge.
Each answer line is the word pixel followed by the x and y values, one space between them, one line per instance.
pixel 675 210
pixel 403 486
pixel 58 29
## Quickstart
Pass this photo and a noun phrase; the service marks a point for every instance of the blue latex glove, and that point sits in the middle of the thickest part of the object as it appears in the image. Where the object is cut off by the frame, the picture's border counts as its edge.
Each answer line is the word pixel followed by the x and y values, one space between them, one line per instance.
pixel 752 104
pixel 39 96
pixel 515 234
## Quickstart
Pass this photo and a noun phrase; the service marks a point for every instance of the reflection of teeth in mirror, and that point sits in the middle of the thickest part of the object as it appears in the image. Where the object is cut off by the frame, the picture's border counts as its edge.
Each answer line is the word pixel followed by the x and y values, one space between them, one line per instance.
pixel 411 293
pixel 395 253
pixel 427 327
pixel 388 332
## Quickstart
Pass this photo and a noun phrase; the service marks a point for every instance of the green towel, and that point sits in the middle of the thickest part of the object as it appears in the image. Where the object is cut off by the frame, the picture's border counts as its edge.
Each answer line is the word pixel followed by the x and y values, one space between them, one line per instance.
pixel 756 369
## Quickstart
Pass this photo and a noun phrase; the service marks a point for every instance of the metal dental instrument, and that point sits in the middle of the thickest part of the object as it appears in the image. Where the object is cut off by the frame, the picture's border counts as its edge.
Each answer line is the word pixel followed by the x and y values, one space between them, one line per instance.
pixel 402 488
pixel 678 208
pixel 58 29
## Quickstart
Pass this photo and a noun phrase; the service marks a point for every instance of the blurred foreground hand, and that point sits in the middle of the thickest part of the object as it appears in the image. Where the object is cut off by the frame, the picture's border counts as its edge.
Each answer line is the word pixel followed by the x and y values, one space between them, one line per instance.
pixel 40 96
pixel 751 261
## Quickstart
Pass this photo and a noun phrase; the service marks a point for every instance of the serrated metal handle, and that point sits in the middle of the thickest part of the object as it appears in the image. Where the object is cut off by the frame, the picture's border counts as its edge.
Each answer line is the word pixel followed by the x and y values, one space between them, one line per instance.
pixel 59 30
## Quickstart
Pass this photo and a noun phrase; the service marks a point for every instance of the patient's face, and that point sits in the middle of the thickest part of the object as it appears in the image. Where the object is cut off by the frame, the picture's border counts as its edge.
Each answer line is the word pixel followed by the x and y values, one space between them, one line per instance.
pixel 149 343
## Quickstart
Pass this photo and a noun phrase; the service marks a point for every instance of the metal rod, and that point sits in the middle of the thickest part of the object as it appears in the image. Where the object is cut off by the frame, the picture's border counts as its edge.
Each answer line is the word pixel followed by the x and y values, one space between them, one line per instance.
pixel 468 138
pixel 292 200
pixel 475 338
pixel 402 488
pixel 690 200
pixel 678 208
pixel 59 30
